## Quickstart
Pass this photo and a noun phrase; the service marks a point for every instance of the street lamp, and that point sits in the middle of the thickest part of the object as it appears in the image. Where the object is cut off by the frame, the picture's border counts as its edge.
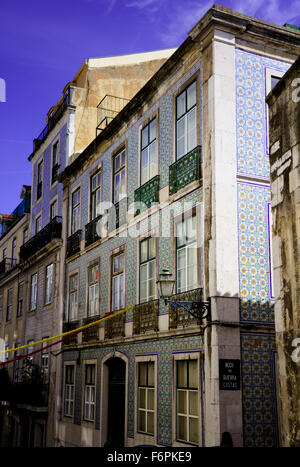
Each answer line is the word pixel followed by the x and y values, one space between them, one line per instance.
pixel 198 310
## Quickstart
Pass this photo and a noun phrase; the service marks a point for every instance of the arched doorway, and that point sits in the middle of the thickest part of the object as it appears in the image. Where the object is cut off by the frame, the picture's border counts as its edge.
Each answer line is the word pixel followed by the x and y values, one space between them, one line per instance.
pixel 116 399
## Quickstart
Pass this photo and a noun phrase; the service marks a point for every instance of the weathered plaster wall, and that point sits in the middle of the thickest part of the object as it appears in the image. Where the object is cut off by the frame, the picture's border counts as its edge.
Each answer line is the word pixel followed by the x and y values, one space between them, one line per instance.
pixel 285 188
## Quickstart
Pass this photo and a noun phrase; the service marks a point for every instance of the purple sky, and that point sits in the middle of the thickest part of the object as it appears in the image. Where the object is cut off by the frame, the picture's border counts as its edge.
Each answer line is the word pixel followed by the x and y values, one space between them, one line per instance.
pixel 44 43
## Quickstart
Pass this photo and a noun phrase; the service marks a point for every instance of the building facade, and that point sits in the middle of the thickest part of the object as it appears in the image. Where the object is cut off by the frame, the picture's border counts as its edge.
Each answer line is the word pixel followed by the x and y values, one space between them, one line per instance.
pixel 192 148
pixel 284 118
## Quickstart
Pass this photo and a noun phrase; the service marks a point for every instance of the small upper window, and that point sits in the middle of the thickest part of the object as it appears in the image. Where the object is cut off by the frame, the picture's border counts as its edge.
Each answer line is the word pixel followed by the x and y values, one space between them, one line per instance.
pixel 55 162
pixel 148 152
pixel 39 189
pixel 119 170
pixel 186 120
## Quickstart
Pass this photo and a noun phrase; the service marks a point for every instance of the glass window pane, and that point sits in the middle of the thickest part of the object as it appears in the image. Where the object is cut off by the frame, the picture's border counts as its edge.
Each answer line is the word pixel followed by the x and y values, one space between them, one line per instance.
pixel 193 374
pixel 193 403
pixel 144 250
pixel 181 104
pixel 145 137
pixel 142 420
pixel 182 428
pixel 123 159
pixel 152 130
pixel 142 374
pixel 182 403
pixel 191 95
pixel 150 405
pixel 117 162
pixel 150 422
pixel 152 159
pixel 191 130
pixel 193 430
pixel 151 374
pixel 142 398
pixel 152 247
pixel 182 373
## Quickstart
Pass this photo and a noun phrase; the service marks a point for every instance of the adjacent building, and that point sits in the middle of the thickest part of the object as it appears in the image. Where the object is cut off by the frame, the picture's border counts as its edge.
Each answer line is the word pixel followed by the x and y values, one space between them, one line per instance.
pixel 284 141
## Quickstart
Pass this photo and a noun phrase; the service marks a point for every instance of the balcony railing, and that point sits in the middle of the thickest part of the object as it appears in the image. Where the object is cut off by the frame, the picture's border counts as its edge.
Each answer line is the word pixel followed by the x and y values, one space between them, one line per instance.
pixel 91 235
pixel 52 120
pixel 42 238
pixel 54 175
pixel 69 326
pixel 185 170
pixel 147 194
pixel 145 317
pixel 180 317
pixel 115 327
pixel 107 109
pixel 90 334
pixel 6 265
pixel 73 243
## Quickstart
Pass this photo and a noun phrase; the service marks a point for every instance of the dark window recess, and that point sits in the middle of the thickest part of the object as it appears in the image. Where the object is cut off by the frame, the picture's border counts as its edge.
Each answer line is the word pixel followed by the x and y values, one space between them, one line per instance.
pixel 91 234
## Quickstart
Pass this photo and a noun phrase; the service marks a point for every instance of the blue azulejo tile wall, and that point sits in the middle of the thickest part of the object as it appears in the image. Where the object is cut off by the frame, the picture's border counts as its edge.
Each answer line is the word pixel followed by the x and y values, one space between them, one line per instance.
pixel 164 349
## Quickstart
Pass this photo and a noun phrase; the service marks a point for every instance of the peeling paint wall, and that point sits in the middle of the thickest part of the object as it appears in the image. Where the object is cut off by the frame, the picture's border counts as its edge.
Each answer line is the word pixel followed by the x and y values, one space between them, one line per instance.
pixel 284 107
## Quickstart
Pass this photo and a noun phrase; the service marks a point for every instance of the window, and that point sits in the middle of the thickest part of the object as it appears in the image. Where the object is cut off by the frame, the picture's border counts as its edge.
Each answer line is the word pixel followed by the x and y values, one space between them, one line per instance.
pixel 95 195
pixel 119 190
pixel 38 224
pixel 49 284
pixel 25 236
pixel 69 390
pixel 89 393
pixel 148 152
pixel 55 160
pixel 16 364
pixel 1 307
pixel 9 304
pixel 53 210
pixel 186 254
pixel 20 299
pixel 187 401
pixel 4 253
pixel 14 252
pixel 186 120
pixel 147 269
pixel 39 189
pixel 146 397
pixel 33 292
pixel 45 358
pixel 272 78
pixel 93 290
pixel 117 282
pixel 73 297
pixel 75 225
pixel 29 350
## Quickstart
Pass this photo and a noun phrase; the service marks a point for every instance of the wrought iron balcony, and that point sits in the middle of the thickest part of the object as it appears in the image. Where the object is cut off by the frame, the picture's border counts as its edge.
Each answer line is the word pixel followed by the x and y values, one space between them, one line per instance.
pixel 69 326
pixel 90 334
pixel 185 170
pixel 73 243
pixel 52 120
pixel 6 265
pixel 179 316
pixel 147 194
pixel 115 327
pixel 41 239
pixel 91 235
pixel 107 109
pixel 145 317
pixel 55 170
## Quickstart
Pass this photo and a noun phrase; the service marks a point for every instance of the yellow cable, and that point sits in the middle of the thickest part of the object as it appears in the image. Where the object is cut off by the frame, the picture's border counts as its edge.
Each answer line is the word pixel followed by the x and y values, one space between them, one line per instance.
pixel 69 332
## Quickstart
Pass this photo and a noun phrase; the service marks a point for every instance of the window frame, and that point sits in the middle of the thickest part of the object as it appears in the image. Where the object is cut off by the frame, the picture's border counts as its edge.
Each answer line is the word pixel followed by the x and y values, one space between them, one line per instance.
pixel 122 149
pixel 51 286
pixel 147 263
pixel 269 73
pixel 92 390
pixel 67 387
pixel 183 90
pixel 119 273
pixel 93 194
pixel 38 217
pixel 183 218
pixel 147 146
pixel 9 304
pixel 91 266
pixel 39 179
pixel 55 144
pixel 20 299
pixel 73 207
pixel 53 202
pixel 14 251
pixel 35 274
pixel 73 291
